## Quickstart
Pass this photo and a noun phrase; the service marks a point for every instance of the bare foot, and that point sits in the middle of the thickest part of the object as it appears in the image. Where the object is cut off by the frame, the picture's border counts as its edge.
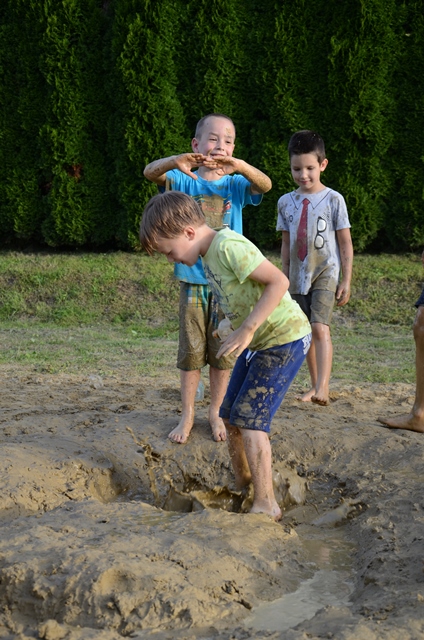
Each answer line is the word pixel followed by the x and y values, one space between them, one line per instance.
pixel 270 508
pixel 409 422
pixel 219 431
pixel 181 433
pixel 321 400
pixel 306 397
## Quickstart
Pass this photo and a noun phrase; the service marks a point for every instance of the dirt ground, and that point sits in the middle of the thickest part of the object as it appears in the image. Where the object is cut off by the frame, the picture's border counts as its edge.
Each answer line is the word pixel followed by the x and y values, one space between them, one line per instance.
pixel 108 529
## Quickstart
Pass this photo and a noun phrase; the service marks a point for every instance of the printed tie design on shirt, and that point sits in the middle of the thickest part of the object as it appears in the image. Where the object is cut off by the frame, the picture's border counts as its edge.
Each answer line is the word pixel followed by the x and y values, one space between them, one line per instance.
pixel 302 232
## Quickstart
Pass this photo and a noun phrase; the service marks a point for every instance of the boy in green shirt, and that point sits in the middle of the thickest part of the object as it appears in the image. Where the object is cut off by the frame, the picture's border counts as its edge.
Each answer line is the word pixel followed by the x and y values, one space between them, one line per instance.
pixel 223 185
pixel 271 334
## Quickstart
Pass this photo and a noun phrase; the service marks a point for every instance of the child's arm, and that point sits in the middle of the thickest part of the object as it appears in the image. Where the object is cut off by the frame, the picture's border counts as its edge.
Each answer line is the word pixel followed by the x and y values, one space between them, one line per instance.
pixel 276 285
pixel 285 253
pixel 344 241
pixel 259 182
pixel 185 162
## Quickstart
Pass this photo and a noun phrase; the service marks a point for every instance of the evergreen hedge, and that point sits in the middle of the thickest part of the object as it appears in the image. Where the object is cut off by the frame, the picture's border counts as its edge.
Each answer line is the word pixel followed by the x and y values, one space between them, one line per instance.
pixel 93 90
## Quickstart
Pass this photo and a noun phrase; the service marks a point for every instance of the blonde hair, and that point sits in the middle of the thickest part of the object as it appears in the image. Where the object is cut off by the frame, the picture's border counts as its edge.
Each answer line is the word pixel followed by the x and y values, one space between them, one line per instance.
pixel 166 215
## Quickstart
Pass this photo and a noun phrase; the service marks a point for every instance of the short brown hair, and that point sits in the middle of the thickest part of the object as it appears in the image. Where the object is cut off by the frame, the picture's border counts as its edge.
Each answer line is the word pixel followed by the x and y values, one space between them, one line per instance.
pixel 307 141
pixel 166 215
pixel 199 126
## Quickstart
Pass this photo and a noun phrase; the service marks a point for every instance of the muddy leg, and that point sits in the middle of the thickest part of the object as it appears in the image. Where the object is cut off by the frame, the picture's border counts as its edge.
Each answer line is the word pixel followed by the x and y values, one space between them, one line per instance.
pixel 250 453
pixel 324 360
pixel 238 458
pixel 218 386
pixel 258 454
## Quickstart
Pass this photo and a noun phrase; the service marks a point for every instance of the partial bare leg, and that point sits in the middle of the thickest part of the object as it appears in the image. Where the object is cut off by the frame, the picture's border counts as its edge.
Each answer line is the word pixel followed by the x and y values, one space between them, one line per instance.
pixel 189 381
pixel 324 360
pixel 238 458
pixel 258 454
pixel 414 421
pixel 218 385
pixel 250 453
pixel 312 366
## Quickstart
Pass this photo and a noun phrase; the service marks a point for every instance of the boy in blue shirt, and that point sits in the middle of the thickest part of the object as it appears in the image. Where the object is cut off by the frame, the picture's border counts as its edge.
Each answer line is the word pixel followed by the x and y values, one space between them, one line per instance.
pixel 316 245
pixel 222 185
pixel 271 333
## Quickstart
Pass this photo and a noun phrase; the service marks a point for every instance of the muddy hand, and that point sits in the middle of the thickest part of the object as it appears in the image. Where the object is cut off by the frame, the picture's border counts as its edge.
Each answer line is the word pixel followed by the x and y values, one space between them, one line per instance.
pixel 188 161
pixel 236 343
pixel 223 164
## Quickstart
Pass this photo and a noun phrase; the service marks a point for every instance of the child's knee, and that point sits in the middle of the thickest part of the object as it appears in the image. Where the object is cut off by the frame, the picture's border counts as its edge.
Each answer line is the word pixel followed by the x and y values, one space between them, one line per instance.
pixel 320 331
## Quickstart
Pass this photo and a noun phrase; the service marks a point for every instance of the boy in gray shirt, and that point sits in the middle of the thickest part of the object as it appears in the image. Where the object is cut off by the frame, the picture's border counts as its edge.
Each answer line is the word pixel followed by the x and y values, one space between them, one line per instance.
pixel 316 246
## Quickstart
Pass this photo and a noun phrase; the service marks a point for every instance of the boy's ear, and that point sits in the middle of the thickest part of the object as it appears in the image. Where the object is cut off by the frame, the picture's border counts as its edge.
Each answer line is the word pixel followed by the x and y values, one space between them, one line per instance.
pixel 324 164
pixel 189 232
pixel 195 145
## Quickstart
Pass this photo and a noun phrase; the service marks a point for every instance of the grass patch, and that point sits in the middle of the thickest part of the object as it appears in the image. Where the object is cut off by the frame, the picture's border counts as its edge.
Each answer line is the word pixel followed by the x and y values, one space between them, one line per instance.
pixel 106 350
pixel 117 313
pixel 85 289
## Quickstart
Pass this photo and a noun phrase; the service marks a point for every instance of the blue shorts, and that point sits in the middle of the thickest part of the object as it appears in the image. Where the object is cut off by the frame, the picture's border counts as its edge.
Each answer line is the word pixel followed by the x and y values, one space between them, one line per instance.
pixel 259 382
pixel 420 301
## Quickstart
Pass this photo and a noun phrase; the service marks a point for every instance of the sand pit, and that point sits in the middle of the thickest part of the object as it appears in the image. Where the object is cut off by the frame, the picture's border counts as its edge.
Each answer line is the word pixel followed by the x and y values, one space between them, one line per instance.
pixel 88 550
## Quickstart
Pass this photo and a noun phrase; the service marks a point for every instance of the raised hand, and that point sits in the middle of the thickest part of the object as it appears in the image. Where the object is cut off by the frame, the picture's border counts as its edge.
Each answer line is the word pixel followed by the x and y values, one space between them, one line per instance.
pixel 223 165
pixel 185 162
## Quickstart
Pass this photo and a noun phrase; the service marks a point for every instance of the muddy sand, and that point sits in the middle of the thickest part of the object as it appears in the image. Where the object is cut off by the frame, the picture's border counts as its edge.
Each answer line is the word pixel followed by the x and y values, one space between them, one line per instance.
pixel 110 530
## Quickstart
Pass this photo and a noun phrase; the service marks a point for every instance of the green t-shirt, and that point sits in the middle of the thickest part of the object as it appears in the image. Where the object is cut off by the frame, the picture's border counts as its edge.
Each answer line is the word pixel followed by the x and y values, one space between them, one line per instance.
pixel 228 263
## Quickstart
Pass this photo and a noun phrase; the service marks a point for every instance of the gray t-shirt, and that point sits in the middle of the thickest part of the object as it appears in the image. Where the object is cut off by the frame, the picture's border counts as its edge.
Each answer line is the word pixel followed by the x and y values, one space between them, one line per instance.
pixel 327 213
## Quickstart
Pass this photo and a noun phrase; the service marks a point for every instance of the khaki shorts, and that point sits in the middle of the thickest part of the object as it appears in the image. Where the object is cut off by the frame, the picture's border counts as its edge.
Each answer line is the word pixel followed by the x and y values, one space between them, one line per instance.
pixel 317 305
pixel 199 317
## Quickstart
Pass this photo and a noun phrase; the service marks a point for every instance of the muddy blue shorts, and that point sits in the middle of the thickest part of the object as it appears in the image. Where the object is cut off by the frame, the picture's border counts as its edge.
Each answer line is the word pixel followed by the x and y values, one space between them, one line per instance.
pixel 420 301
pixel 259 382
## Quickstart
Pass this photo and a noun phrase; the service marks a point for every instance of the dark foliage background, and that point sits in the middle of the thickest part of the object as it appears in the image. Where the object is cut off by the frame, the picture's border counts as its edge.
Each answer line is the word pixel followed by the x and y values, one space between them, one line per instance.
pixel 93 90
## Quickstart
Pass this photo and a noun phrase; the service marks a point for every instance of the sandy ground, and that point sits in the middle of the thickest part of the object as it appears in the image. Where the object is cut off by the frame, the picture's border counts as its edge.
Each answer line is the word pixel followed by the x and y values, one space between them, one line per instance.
pixel 87 550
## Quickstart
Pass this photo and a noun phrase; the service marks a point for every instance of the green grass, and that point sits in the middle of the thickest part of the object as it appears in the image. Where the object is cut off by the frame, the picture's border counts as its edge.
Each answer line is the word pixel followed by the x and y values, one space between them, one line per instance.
pixel 85 289
pixel 117 314
pixel 106 350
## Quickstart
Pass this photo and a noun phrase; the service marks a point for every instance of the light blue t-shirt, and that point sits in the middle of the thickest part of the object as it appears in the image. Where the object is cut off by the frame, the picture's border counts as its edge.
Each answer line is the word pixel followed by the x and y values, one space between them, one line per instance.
pixel 221 201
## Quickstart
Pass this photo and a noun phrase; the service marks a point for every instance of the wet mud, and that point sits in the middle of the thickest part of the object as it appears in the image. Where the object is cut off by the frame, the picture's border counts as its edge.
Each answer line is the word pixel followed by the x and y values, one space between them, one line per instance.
pixel 109 530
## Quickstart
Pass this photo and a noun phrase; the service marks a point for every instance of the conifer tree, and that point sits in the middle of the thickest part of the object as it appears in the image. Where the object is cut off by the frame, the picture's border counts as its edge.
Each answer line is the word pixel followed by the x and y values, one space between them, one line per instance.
pixel 91 91
pixel 363 58
pixel 403 226
pixel 74 132
pixel 215 71
pixel 148 121
pixel 22 94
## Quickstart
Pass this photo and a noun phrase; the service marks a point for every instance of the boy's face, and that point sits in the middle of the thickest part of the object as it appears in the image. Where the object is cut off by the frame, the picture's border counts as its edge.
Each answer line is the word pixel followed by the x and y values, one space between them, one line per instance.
pixel 183 248
pixel 306 171
pixel 217 138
